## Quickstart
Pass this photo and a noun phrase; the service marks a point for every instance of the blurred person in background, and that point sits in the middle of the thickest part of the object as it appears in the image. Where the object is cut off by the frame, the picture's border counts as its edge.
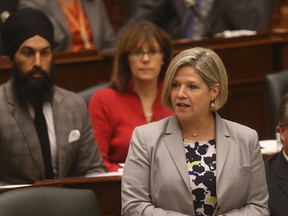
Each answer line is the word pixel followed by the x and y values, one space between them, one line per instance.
pixel 78 24
pixel 277 166
pixel 133 96
pixel 214 16
pixel 7 7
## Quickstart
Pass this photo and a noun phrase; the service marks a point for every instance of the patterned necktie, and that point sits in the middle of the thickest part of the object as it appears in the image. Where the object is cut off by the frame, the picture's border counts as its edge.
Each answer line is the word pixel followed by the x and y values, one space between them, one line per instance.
pixel 41 128
pixel 197 27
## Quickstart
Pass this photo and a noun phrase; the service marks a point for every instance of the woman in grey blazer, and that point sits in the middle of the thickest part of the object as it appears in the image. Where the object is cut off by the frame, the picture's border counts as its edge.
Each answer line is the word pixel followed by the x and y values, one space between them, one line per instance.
pixel 194 162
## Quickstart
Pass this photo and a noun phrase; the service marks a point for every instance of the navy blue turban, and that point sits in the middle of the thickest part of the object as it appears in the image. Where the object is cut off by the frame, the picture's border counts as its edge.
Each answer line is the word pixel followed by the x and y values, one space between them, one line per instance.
pixel 24 24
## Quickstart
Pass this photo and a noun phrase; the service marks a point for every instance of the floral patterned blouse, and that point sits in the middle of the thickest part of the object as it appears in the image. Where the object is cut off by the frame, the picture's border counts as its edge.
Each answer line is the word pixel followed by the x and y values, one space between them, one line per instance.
pixel 201 163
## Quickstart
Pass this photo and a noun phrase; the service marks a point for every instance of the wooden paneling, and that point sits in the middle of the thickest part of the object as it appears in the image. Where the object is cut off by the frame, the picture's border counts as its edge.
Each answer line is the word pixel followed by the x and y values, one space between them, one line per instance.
pixel 247 60
pixel 74 70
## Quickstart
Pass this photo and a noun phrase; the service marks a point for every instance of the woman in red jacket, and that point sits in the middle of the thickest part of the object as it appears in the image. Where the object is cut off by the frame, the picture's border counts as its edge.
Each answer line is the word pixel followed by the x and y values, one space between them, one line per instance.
pixel 133 96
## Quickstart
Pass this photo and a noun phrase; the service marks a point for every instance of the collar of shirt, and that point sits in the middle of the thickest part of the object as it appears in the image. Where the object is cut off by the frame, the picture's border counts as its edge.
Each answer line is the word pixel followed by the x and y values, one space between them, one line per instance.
pixel 285 156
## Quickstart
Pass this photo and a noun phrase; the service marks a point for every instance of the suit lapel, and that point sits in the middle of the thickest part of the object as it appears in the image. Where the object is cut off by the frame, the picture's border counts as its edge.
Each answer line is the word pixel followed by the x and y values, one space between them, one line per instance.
pixel 92 14
pixel 25 123
pixel 222 145
pixel 281 173
pixel 175 146
pixel 61 118
pixel 59 16
pixel 213 14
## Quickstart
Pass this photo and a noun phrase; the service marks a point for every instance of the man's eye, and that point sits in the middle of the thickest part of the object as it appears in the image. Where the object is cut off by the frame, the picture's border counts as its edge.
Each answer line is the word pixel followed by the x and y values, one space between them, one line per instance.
pixel 27 53
pixel 45 53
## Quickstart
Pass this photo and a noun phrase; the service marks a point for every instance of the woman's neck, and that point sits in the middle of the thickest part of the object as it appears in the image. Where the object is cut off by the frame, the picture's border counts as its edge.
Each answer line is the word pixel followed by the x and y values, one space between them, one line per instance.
pixel 145 89
pixel 199 129
pixel 147 92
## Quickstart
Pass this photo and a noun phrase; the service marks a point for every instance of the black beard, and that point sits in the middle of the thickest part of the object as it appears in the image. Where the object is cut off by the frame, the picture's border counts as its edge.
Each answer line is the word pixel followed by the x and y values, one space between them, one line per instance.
pixel 30 90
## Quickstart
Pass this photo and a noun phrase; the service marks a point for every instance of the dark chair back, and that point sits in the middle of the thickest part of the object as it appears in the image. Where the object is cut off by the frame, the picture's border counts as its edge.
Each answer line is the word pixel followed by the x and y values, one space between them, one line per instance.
pixel 276 87
pixel 49 201
pixel 87 93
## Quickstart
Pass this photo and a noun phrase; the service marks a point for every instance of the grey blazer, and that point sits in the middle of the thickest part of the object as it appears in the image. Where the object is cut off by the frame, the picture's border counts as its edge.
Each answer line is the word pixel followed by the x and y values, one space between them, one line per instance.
pixel 156 181
pixel 20 152
pixel 102 31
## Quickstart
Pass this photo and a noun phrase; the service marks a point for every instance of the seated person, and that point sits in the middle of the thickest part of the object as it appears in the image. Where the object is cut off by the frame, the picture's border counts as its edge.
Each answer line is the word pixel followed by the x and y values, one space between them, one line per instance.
pixel 78 24
pixel 176 18
pixel 133 98
pixel 277 167
pixel 7 7
pixel 45 131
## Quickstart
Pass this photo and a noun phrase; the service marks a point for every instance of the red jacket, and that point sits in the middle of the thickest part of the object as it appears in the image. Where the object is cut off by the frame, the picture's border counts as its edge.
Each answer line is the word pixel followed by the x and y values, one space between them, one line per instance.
pixel 114 116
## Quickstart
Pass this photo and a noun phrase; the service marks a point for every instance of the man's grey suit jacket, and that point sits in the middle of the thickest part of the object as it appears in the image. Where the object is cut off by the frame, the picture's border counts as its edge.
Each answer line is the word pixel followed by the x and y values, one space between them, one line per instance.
pixel 20 151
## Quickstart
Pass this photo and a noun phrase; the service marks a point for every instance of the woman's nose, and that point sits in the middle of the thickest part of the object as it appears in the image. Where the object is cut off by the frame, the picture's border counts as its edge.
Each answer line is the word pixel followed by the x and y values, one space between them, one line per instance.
pixel 182 92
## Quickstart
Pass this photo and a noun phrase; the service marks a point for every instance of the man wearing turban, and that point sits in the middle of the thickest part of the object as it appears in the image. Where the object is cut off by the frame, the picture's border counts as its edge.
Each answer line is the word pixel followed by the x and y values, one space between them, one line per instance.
pixel 32 147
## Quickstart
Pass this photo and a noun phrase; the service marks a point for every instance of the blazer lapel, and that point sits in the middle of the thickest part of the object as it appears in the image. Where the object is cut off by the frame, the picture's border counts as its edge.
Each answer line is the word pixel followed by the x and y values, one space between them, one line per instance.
pixel 92 14
pixel 59 16
pixel 222 145
pixel 25 122
pixel 61 130
pixel 281 173
pixel 213 14
pixel 175 146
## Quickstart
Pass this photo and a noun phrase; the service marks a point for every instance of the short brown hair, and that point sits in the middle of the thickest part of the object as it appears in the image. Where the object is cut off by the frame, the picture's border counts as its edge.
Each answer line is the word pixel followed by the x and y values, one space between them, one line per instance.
pixel 141 32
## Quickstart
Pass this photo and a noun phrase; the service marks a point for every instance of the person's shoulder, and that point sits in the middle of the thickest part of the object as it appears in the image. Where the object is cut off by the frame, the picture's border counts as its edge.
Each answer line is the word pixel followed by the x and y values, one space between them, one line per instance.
pixel 2 86
pixel 67 95
pixel 271 160
pixel 104 94
pixel 63 91
pixel 238 127
pixel 159 125
pixel 239 132
pixel 153 132
pixel 271 164
pixel 105 91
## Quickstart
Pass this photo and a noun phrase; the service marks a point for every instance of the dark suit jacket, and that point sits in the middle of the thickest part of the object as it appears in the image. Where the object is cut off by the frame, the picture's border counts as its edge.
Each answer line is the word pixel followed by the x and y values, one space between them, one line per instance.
pixel 6 6
pixel 277 180
pixel 20 152
pixel 174 16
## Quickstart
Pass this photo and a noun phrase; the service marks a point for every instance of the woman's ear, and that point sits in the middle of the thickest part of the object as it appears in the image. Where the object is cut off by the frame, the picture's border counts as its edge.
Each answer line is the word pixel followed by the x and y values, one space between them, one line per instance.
pixel 215 91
